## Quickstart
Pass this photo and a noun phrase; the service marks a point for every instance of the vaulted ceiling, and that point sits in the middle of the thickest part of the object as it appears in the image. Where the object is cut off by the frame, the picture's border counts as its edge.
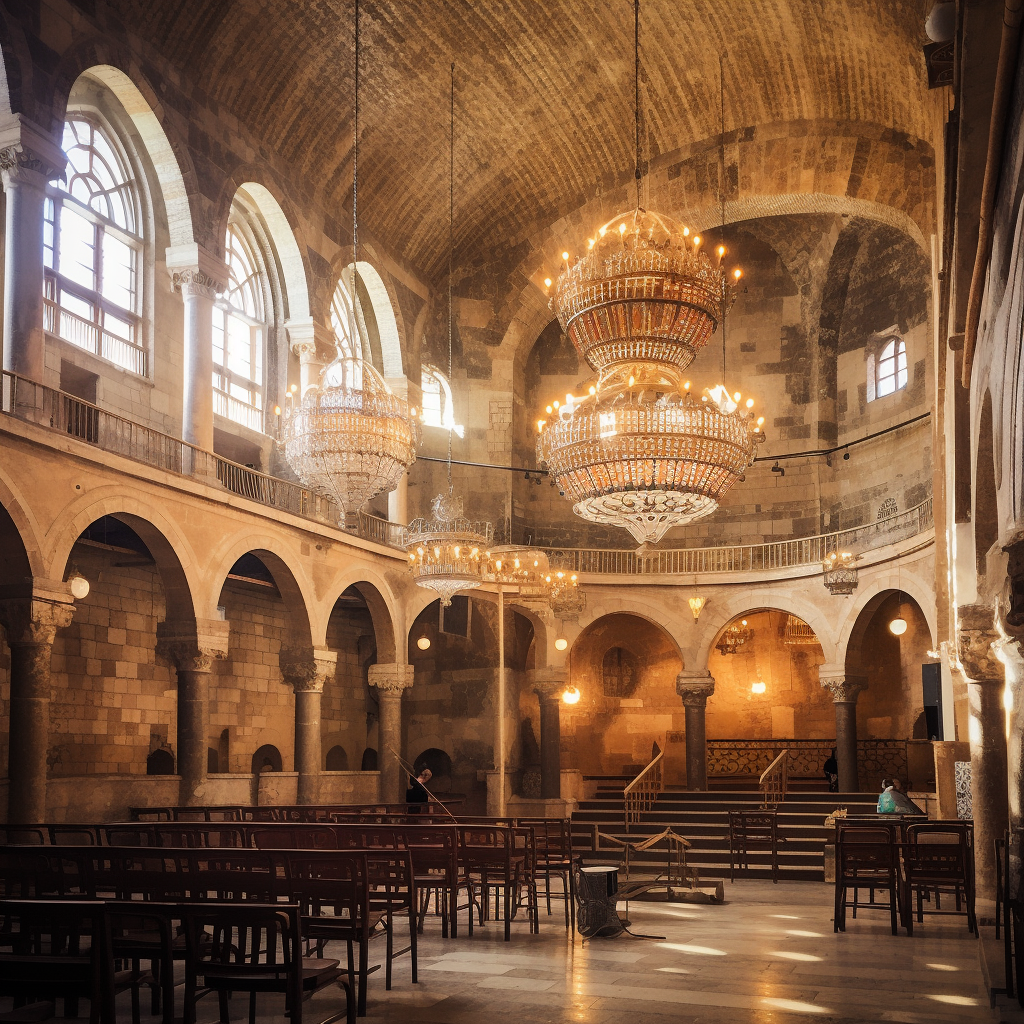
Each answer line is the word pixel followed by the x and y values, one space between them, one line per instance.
pixel 544 93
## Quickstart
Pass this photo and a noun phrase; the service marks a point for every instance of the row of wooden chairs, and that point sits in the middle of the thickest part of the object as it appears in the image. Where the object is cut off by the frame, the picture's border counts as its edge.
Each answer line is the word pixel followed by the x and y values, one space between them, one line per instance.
pixel 353 896
pixel 906 860
pixel 75 949
pixel 296 813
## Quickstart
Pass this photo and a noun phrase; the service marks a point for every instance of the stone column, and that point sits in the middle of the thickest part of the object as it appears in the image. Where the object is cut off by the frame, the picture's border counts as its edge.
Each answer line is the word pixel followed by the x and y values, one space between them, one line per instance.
pixel 986 729
pixel 307 672
pixel 199 276
pixel 549 684
pixel 311 342
pixel 390 681
pixel 845 690
pixel 192 648
pixel 694 688
pixel 29 158
pixel 31 623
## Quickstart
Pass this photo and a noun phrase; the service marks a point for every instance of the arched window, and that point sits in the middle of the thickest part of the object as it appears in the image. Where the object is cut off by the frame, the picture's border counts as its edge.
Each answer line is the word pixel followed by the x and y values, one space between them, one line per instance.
pixel 343 321
pixel 92 249
pixel 438 407
pixel 239 333
pixel 887 370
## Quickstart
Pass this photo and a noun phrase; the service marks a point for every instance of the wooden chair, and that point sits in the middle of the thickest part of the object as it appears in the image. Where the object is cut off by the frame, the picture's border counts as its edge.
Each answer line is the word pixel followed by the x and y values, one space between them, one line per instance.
pixel 938 858
pixel 245 948
pixel 143 931
pixel 332 890
pixel 867 857
pixel 491 861
pixel 73 835
pixel 56 949
pixel 753 831
pixel 553 837
pixel 294 837
pixel 393 896
pixel 435 859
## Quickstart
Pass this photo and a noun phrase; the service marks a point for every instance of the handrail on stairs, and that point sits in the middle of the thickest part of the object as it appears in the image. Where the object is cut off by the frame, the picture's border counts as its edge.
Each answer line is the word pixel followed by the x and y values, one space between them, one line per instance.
pixel 774 781
pixel 640 795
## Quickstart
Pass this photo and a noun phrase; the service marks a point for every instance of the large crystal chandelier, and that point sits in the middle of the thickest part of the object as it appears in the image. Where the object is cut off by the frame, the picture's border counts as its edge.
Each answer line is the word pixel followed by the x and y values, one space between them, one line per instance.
pixel 448 553
pixel 637 449
pixel 350 437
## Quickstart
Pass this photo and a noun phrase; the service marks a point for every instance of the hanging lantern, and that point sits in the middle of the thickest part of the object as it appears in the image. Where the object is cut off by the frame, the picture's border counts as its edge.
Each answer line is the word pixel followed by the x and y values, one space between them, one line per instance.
pixel 839 575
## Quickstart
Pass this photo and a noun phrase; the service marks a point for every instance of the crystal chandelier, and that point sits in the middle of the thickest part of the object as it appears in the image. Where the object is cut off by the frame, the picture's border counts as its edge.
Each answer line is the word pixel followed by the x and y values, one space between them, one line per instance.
pixel 637 450
pixel 796 633
pixel 839 574
pixel 734 637
pixel 447 552
pixel 350 437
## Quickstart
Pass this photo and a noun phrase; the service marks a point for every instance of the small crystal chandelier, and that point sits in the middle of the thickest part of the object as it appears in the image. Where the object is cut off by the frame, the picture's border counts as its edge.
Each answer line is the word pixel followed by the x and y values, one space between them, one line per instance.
pixel 637 450
pixel 734 637
pixel 350 437
pixel 796 633
pixel 839 574
pixel 448 553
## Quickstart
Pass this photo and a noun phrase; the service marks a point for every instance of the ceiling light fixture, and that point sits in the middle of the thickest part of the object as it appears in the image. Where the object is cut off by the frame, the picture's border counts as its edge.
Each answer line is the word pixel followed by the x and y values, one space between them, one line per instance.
pixel 447 553
pixel 79 585
pixel 639 451
pixel 839 574
pixel 349 437
pixel 571 695
pixel 423 643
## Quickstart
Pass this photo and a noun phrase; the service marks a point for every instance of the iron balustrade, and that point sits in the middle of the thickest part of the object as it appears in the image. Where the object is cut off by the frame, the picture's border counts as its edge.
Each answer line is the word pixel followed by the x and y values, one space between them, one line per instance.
pixel 774 782
pixel 642 793
pixel 110 432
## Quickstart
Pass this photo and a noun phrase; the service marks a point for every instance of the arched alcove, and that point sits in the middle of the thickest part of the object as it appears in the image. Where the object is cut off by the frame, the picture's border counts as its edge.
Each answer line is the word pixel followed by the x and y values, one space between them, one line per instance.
pixel 625 668
pixel 336 759
pixel 440 765
pixel 267 758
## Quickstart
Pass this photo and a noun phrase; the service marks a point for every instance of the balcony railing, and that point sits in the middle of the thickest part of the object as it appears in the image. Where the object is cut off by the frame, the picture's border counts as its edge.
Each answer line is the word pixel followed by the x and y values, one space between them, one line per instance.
pixel 112 433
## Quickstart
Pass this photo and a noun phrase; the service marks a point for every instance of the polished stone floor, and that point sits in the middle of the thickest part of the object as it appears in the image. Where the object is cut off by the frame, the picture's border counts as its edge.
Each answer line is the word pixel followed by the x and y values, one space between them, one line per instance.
pixel 767 955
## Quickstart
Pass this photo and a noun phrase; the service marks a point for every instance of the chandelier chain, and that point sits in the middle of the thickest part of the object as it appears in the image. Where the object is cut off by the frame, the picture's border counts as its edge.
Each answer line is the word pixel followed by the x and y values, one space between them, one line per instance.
pixel 721 183
pixel 355 192
pixel 636 93
pixel 451 249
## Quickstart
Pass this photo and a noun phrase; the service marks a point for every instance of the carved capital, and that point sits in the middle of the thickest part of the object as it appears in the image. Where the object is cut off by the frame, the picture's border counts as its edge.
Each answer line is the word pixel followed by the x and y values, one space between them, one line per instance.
pixel 391 680
pixel 976 635
pixel 195 271
pixel 307 671
pixel 309 340
pixel 194 282
pixel 548 683
pixel 35 619
pixel 694 688
pixel 844 688
pixel 21 166
pixel 192 646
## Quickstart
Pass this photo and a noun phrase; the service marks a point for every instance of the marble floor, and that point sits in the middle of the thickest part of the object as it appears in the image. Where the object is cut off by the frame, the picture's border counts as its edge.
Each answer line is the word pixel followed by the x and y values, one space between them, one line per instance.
pixel 767 955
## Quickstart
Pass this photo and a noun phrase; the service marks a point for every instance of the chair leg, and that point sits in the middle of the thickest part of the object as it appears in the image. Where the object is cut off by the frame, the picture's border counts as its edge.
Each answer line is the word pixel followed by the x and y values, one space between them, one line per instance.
pixel 837 920
pixel 908 906
pixel 508 910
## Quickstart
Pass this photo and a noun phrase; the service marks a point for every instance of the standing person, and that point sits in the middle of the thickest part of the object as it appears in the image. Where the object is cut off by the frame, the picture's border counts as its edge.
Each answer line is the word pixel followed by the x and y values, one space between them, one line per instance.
pixel 417 793
pixel 831 771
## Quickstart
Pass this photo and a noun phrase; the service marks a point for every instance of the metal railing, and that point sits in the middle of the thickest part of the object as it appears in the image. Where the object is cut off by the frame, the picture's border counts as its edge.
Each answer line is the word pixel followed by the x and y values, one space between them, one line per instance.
pixel 113 433
pixel 784 554
pixel 642 793
pixel 66 414
pixel 774 781
pixel 876 759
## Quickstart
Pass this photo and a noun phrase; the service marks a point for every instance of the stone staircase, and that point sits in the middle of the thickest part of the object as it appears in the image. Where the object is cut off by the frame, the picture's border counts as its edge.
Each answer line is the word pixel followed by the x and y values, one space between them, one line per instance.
pixel 703 818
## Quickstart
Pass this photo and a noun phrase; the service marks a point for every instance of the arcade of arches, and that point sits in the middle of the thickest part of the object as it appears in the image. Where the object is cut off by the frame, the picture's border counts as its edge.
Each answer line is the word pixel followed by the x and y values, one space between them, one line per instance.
pixel 179 263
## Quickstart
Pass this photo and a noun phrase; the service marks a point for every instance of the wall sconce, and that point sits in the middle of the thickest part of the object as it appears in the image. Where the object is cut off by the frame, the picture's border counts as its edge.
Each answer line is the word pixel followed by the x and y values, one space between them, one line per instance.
pixel 758 687
pixel 697 606
pixel 561 643
pixel 571 695
pixel 423 643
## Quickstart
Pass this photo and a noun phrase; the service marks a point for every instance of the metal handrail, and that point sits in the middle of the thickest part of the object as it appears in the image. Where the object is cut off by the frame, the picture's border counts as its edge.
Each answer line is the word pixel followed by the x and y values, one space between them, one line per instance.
pixel 641 794
pixel 774 781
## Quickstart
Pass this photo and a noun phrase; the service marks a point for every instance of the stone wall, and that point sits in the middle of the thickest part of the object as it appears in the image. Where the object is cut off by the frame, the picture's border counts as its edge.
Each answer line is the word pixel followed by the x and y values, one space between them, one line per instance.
pixel 349 706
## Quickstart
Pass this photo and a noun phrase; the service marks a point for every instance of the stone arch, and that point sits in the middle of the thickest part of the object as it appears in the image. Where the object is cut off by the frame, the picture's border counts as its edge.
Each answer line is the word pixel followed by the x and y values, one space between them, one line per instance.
pixel 439 761
pixel 14 561
pixel 171 551
pixel 649 612
pixel 20 551
pixel 296 591
pixel 387 323
pixel 263 754
pixel 986 513
pixel 15 68
pixel 281 236
pixel 723 609
pixel 168 161
pixel 381 603
pixel 536 618
pixel 336 759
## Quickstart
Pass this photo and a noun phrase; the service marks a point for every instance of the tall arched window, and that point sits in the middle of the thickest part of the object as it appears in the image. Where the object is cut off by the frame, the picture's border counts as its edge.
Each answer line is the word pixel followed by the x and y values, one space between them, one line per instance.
pixel 92 249
pixel 436 398
pixel 239 334
pixel 887 371
pixel 343 320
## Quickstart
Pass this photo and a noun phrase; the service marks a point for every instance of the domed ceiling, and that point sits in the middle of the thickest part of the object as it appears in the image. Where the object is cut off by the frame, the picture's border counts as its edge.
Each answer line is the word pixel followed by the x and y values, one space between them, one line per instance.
pixel 544 107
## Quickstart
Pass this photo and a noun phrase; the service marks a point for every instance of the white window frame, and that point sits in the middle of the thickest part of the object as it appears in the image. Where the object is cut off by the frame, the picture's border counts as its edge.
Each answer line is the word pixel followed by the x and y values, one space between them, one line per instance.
pixel 887 367
pixel 237 397
pixel 91 334
pixel 442 413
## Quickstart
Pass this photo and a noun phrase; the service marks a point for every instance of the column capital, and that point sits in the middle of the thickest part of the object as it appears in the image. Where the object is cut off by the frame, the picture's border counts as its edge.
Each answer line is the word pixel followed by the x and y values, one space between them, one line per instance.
pixel 975 640
pixel 695 687
pixel 28 155
pixel 32 613
pixel 192 646
pixel 548 683
pixel 307 338
pixel 845 687
pixel 391 680
pixel 195 270
pixel 307 671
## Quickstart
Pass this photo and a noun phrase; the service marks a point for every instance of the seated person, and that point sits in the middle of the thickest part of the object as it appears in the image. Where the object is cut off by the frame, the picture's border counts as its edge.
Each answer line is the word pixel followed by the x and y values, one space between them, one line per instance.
pixel 417 793
pixel 894 801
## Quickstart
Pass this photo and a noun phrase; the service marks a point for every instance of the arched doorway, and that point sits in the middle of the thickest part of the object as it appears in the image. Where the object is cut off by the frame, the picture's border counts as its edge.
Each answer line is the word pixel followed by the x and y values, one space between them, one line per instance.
pixel 625 668
pixel 266 759
pixel 440 765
